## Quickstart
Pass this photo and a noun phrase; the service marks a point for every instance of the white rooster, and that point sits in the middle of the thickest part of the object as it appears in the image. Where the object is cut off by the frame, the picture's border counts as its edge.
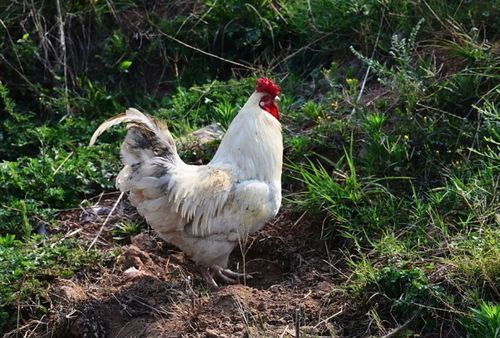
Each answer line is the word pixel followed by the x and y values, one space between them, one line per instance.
pixel 205 210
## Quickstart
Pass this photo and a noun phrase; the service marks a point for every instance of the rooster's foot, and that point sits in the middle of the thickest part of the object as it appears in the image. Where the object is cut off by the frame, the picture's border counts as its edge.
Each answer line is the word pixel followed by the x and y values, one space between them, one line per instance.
pixel 223 274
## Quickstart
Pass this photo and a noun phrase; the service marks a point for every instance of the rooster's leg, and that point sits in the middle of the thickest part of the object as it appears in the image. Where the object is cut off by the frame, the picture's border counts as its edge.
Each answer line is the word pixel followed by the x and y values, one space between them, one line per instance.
pixel 208 276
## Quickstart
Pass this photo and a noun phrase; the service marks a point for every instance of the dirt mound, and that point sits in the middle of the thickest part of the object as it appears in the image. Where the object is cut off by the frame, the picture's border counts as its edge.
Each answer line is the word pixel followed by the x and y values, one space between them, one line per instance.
pixel 152 290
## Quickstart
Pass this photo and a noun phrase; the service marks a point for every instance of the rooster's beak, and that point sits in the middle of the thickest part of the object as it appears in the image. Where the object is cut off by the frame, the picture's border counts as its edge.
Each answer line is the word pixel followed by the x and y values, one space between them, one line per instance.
pixel 277 98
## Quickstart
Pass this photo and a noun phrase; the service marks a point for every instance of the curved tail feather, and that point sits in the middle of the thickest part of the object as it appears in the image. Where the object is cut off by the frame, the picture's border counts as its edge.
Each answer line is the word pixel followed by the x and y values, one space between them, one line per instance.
pixel 146 138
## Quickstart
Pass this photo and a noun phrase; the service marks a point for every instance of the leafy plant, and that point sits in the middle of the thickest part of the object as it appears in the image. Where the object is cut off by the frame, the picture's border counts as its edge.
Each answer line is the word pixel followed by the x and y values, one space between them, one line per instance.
pixel 483 321
pixel 406 288
pixel 56 179
pixel 312 109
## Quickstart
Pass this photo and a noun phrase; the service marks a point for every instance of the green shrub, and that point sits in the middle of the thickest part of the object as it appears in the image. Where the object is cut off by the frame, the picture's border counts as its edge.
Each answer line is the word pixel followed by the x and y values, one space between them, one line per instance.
pixel 198 106
pixel 407 289
pixel 35 187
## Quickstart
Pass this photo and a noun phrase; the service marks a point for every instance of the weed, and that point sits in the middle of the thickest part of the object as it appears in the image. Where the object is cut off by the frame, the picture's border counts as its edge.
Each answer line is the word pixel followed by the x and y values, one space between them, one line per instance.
pixel 9 105
pixel 404 78
pixel 194 108
pixel 312 109
pixel 26 268
pixel 476 256
pixel 491 137
pixel 483 321
pixel 123 231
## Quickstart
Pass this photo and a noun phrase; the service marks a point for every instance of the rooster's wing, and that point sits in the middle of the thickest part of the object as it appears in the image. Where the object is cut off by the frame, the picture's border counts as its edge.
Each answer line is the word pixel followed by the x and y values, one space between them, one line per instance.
pixel 200 200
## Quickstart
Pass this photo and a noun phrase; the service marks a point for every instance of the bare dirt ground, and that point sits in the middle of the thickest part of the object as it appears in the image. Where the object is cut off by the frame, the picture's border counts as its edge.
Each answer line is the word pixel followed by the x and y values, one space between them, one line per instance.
pixel 152 290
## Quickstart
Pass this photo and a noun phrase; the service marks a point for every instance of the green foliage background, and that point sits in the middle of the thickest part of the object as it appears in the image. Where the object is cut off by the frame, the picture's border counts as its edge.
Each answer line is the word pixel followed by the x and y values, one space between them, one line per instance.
pixel 391 119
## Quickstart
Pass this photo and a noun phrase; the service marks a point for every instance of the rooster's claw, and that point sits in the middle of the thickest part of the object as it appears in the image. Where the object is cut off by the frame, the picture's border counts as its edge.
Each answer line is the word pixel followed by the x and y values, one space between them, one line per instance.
pixel 223 274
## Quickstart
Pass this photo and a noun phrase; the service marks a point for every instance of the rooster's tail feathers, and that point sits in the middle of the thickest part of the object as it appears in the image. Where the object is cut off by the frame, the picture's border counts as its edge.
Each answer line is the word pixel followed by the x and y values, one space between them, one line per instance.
pixel 146 138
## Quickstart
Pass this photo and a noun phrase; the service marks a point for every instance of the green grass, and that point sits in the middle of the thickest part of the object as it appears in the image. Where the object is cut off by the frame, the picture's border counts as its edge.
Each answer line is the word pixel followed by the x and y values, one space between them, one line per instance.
pixel 419 188
pixel 27 267
pixel 123 231
pixel 391 120
pixel 484 321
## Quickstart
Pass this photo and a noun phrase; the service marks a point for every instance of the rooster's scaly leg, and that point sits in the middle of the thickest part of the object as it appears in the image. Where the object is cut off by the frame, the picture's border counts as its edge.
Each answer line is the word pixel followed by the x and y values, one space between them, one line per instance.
pixel 208 277
pixel 229 276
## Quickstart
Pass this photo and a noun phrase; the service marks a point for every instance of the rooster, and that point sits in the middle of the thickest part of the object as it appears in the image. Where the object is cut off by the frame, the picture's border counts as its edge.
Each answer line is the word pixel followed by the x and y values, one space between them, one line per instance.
pixel 206 210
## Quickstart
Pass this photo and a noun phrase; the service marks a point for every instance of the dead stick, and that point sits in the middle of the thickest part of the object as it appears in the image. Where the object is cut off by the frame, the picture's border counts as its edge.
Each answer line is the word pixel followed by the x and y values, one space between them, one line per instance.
pixel 297 322
pixel 106 221
pixel 365 78
pixel 62 41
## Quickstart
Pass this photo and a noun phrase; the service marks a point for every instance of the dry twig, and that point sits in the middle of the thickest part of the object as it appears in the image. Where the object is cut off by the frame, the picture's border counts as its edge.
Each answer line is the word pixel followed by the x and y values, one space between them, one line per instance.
pixel 401 328
pixel 106 221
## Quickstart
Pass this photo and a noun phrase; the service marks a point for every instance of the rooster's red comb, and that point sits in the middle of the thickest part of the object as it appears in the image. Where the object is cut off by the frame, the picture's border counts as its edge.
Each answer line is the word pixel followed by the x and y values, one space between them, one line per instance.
pixel 266 85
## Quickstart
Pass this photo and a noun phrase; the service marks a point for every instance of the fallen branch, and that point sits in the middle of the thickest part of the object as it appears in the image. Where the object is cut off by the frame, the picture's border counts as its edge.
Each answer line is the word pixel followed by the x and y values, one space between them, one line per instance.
pixel 401 328
pixel 173 38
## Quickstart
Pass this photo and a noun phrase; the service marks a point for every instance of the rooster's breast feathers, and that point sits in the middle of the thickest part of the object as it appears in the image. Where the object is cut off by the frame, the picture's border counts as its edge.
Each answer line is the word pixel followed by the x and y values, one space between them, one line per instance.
pixel 198 200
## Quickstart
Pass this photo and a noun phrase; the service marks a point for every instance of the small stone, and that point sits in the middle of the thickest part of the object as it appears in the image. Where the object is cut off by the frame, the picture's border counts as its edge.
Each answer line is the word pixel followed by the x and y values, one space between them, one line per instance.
pixel 132 272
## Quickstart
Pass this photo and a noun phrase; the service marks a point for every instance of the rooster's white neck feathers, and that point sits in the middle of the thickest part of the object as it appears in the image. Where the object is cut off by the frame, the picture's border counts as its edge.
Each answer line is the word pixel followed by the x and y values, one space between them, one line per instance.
pixel 258 128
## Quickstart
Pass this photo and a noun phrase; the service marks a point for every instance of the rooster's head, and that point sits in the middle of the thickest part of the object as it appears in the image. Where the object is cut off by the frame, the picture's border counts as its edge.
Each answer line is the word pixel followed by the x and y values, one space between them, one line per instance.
pixel 271 91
